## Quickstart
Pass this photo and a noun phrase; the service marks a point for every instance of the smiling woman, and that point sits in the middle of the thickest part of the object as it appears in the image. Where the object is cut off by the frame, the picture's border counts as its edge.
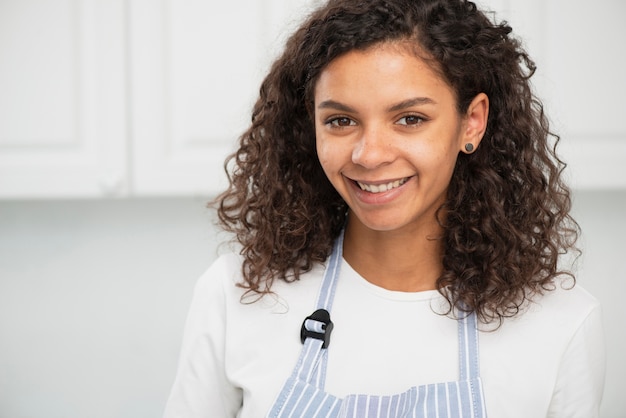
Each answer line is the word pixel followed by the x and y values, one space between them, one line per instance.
pixel 399 167
pixel 390 150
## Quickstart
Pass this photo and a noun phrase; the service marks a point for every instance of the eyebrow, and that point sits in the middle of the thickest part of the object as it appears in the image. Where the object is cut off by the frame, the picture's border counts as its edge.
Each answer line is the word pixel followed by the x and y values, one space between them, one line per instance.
pixel 332 104
pixel 411 102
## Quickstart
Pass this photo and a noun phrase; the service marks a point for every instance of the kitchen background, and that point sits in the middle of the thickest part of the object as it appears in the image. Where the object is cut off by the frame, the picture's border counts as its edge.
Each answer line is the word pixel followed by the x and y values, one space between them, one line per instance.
pixel 115 117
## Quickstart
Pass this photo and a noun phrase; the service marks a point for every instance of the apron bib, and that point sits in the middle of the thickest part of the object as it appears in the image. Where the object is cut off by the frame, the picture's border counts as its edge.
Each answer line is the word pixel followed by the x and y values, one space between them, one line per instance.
pixel 303 395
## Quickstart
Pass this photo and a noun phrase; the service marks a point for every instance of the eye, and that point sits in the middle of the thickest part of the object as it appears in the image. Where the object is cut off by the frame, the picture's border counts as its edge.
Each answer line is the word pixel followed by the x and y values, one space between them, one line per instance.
pixel 340 122
pixel 411 120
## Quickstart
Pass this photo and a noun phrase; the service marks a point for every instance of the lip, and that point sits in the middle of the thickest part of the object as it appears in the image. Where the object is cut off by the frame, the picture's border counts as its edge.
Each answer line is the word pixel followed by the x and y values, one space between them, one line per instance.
pixel 381 187
pixel 380 198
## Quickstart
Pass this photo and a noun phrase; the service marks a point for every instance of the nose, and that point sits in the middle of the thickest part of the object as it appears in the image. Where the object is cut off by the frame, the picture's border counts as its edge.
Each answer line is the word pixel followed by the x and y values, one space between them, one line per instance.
pixel 373 148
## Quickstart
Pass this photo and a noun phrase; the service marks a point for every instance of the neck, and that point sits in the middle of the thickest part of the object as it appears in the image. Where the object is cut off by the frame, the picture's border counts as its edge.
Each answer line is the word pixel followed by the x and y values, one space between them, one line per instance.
pixel 409 260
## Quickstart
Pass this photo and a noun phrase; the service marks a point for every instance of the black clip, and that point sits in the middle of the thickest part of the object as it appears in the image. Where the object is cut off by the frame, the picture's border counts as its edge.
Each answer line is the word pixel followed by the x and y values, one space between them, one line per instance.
pixel 321 315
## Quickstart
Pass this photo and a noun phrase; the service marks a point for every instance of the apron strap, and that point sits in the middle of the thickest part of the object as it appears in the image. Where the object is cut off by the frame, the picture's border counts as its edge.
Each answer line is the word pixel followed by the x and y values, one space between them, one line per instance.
pixel 316 329
pixel 468 347
pixel 331 276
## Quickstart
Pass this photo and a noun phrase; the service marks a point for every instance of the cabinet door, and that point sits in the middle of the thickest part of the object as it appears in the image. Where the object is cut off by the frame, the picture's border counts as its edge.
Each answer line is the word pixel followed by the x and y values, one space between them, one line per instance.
pixel 585 65
pixel 62 106
pixel 580 79
pixel 196 67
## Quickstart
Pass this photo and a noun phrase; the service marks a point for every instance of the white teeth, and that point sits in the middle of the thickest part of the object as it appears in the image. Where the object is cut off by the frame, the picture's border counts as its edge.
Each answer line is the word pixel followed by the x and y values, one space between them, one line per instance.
pixel 379 188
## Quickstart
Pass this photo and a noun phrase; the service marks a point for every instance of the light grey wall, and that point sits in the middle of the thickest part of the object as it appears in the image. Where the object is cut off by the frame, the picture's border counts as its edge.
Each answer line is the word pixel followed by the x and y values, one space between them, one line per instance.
pixel 93 295
pixel 602 271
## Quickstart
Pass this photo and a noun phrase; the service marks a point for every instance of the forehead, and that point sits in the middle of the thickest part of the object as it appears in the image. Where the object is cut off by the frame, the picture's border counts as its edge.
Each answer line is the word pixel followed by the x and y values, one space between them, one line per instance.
pixel 388 69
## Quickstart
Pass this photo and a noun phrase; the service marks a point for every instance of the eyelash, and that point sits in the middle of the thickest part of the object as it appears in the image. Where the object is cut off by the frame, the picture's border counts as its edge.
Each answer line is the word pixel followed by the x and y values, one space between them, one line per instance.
pixel 333 122
pixel 418 120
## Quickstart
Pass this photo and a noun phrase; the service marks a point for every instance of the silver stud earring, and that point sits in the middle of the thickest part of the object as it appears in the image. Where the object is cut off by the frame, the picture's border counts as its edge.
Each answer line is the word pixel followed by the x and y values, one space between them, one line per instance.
pixel 469 147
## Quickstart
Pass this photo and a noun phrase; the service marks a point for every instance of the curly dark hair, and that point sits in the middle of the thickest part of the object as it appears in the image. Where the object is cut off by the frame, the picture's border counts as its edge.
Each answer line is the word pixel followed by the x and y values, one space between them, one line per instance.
pixel 506 219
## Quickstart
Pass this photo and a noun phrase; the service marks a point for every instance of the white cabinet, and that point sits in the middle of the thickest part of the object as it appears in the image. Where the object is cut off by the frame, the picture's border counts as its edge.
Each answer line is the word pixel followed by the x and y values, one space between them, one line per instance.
pixel 129 98
pixel 580 79
pixel 62 98
pixel 195 71
pixel 146 97
pixel 194 67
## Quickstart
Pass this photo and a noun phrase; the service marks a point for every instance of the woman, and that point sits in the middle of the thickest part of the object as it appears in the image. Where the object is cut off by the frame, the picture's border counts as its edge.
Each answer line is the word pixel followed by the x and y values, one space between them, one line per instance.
pixel 397 188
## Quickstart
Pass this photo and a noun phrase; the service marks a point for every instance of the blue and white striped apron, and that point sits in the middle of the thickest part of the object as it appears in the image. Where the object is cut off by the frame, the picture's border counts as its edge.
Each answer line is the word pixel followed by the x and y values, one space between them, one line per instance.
pixel 303 395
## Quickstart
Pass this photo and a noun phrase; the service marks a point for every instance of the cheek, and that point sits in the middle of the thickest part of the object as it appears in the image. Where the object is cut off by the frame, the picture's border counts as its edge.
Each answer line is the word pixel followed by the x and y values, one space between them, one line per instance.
pixel 443 148
pixel 324 152
pixel 446 165
pixel 434 160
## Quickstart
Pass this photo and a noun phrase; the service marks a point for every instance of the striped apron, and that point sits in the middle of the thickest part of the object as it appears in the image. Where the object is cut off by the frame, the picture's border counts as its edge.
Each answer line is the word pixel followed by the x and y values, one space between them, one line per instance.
pixel 303 395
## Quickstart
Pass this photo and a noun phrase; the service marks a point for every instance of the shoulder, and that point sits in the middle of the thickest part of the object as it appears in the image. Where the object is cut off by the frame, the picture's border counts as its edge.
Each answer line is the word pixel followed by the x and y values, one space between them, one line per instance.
pixel 223 282
pixel 567 305
pixel 221 277
pixel 570 316
pixel 547 326
pixel 556 314
pixel 561 301
pixel 226 268
pixel 558 336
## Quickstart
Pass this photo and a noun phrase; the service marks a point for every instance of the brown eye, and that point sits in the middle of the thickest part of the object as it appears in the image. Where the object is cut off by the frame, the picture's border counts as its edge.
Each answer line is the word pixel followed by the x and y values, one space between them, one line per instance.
pixel 410 120
pixel 342 122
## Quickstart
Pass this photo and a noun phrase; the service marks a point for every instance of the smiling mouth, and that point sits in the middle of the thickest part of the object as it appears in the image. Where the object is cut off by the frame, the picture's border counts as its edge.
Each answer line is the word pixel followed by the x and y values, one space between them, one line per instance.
pixel 381 188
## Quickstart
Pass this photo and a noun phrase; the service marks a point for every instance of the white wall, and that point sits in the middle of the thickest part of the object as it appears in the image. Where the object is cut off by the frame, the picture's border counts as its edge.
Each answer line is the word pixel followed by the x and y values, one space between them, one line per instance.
pixel 93 296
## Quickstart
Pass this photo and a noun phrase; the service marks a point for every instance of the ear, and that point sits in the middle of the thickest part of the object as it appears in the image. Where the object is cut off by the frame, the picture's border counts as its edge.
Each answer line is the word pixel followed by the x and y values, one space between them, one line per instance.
pixel 475 123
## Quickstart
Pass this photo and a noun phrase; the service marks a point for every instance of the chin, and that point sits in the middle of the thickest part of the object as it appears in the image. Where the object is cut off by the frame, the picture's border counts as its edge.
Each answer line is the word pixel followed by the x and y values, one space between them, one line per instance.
pixel 381 225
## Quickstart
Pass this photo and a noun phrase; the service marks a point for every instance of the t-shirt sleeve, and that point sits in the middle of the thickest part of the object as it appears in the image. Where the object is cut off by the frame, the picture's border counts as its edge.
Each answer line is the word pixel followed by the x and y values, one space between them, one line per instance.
pixel 201 388
pixel 580 382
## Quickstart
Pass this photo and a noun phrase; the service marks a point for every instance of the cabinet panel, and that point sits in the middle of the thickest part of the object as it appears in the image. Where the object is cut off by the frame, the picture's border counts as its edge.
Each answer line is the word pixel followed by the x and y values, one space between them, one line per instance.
pixel 38 74
pixel 193 76
pixel 586 64
pixel 196 67
pixel 62 110
pixel 580 81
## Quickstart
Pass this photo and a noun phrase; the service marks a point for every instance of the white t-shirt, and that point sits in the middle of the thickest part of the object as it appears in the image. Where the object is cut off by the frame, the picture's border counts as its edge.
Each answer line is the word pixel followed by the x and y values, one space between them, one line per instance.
pixel 237 353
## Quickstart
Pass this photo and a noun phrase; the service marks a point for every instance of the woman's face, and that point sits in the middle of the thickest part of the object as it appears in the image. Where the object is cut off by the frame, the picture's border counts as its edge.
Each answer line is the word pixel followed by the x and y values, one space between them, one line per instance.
pixel 388 134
